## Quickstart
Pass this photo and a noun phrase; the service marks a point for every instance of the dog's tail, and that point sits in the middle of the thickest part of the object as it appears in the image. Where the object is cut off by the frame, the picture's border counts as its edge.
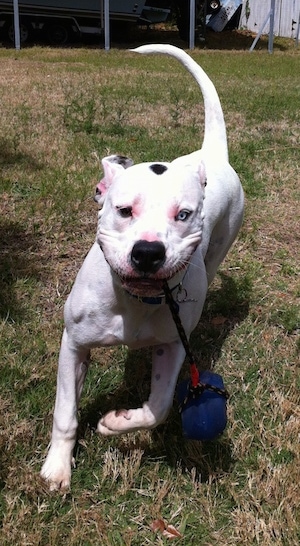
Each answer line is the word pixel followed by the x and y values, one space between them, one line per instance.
pixel 215 139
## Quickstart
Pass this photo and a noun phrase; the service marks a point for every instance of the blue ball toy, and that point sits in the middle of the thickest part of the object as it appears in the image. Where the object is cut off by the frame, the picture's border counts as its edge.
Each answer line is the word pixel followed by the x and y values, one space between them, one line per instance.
pixel 203 408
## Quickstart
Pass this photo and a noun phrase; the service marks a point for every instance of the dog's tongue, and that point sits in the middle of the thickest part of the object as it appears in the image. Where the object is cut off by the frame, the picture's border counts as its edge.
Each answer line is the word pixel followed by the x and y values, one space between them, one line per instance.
pixel 143 287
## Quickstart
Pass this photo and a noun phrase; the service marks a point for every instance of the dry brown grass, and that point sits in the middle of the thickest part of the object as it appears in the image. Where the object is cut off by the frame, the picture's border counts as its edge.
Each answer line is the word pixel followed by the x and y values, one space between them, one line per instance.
pixel 242 489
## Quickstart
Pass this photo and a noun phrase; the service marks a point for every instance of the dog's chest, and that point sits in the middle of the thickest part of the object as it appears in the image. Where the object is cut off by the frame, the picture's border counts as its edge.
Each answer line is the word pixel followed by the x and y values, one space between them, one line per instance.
pixel 144 325
pixel 141 324
pixel 128 322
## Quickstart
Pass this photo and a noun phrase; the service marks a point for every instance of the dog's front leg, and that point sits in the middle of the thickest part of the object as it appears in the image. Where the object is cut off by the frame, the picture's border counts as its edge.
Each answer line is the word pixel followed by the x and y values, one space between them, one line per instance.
pixel 72 369
pixel 166 365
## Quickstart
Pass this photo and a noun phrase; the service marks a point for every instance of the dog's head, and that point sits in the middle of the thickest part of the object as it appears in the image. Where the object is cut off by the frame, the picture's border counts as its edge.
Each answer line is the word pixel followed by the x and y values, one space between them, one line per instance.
pixel 151 221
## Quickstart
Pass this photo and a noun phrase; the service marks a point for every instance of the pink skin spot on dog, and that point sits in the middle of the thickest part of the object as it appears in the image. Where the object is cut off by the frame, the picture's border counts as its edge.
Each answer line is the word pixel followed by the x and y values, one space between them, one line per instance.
pixel 149 237
pixel 137 208
pixel 101 186
pixel 173 211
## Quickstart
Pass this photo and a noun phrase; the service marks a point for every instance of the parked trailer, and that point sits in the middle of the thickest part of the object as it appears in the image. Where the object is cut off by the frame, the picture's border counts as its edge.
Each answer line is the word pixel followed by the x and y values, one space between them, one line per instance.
pixel 61 20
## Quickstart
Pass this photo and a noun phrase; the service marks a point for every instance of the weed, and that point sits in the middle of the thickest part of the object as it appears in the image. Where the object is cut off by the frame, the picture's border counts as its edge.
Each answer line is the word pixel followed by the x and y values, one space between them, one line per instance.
pixel 287 318
pixel 177 108
pixel 79 114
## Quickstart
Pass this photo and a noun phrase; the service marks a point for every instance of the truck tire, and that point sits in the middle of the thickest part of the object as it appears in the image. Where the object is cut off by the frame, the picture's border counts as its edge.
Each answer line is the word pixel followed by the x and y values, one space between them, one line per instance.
pixel 58 34
pixel 24 32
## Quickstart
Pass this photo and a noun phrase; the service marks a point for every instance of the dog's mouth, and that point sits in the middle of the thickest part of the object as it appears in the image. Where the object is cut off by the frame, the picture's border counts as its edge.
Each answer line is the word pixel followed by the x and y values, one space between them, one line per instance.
pixel 143 286
pixel 147 286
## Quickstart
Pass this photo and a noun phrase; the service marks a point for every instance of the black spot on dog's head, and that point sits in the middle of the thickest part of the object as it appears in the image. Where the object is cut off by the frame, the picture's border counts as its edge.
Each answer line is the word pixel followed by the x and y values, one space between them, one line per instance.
pixel 158 168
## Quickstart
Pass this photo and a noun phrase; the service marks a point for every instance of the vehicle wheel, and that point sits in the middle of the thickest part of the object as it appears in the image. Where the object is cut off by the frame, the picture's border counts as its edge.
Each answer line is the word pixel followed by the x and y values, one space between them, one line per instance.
pixel 58 34
pixel 24 33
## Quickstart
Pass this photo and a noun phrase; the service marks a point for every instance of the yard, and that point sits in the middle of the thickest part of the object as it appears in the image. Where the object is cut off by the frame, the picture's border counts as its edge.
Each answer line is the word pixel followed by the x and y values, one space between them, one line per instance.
pixel 61 111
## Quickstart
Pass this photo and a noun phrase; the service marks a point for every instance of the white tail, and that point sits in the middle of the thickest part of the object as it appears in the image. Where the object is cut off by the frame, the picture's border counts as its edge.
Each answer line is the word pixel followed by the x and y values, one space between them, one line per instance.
pixel 215 139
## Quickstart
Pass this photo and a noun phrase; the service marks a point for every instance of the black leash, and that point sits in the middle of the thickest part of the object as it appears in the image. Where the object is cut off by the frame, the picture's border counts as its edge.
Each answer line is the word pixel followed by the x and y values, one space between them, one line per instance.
pixel 196 387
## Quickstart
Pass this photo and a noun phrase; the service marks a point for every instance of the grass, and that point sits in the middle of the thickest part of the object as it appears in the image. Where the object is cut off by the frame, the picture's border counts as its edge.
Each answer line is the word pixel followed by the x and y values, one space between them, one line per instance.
pixel 60 111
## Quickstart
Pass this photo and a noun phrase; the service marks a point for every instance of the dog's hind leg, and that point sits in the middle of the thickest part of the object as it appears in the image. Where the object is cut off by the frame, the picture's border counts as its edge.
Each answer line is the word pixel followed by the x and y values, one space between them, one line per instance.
pixel 72 369
pixel 166 365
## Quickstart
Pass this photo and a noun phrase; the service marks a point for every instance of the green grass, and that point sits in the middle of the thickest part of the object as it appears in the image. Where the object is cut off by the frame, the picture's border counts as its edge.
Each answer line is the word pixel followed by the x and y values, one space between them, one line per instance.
pixel 62 110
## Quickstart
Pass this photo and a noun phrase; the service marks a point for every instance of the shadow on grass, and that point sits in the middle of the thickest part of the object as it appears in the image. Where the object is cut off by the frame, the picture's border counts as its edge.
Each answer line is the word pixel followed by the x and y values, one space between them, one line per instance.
pixel 225 307
pixel 230 40
pixel 9 155
pixel 231 302
pixel 18 248
pixel 17 262
pixel 130 36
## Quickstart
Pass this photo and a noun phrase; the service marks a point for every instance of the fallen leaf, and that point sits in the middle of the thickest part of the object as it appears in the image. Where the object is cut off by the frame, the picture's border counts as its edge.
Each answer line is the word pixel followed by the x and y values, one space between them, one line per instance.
pixel 158 525
pixel 170 532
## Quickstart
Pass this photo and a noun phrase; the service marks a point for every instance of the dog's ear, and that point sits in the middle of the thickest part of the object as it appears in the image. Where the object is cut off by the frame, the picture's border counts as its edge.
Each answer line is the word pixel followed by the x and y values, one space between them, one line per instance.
pixel 120 159
pixel 112 164
pixel 202 174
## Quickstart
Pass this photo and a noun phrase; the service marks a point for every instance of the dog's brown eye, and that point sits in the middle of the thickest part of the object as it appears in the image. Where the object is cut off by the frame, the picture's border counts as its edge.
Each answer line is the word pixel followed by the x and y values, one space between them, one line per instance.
pixel 125 212
pixel 182 215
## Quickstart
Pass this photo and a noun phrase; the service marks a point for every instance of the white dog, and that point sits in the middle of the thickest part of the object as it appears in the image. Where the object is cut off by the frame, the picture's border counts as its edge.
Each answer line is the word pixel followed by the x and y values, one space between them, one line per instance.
pixel 155 225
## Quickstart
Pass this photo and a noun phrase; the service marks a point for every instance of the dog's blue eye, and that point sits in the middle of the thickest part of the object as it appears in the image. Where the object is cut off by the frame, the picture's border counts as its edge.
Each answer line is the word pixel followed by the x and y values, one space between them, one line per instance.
pixel 182 215
pixel 125 212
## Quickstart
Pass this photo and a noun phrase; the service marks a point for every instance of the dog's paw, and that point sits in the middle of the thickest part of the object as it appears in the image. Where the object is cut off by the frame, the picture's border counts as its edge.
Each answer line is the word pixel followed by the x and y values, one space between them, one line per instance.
pixel 57 479
pixel 115 422
pixel 122 421
pixel 56 473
